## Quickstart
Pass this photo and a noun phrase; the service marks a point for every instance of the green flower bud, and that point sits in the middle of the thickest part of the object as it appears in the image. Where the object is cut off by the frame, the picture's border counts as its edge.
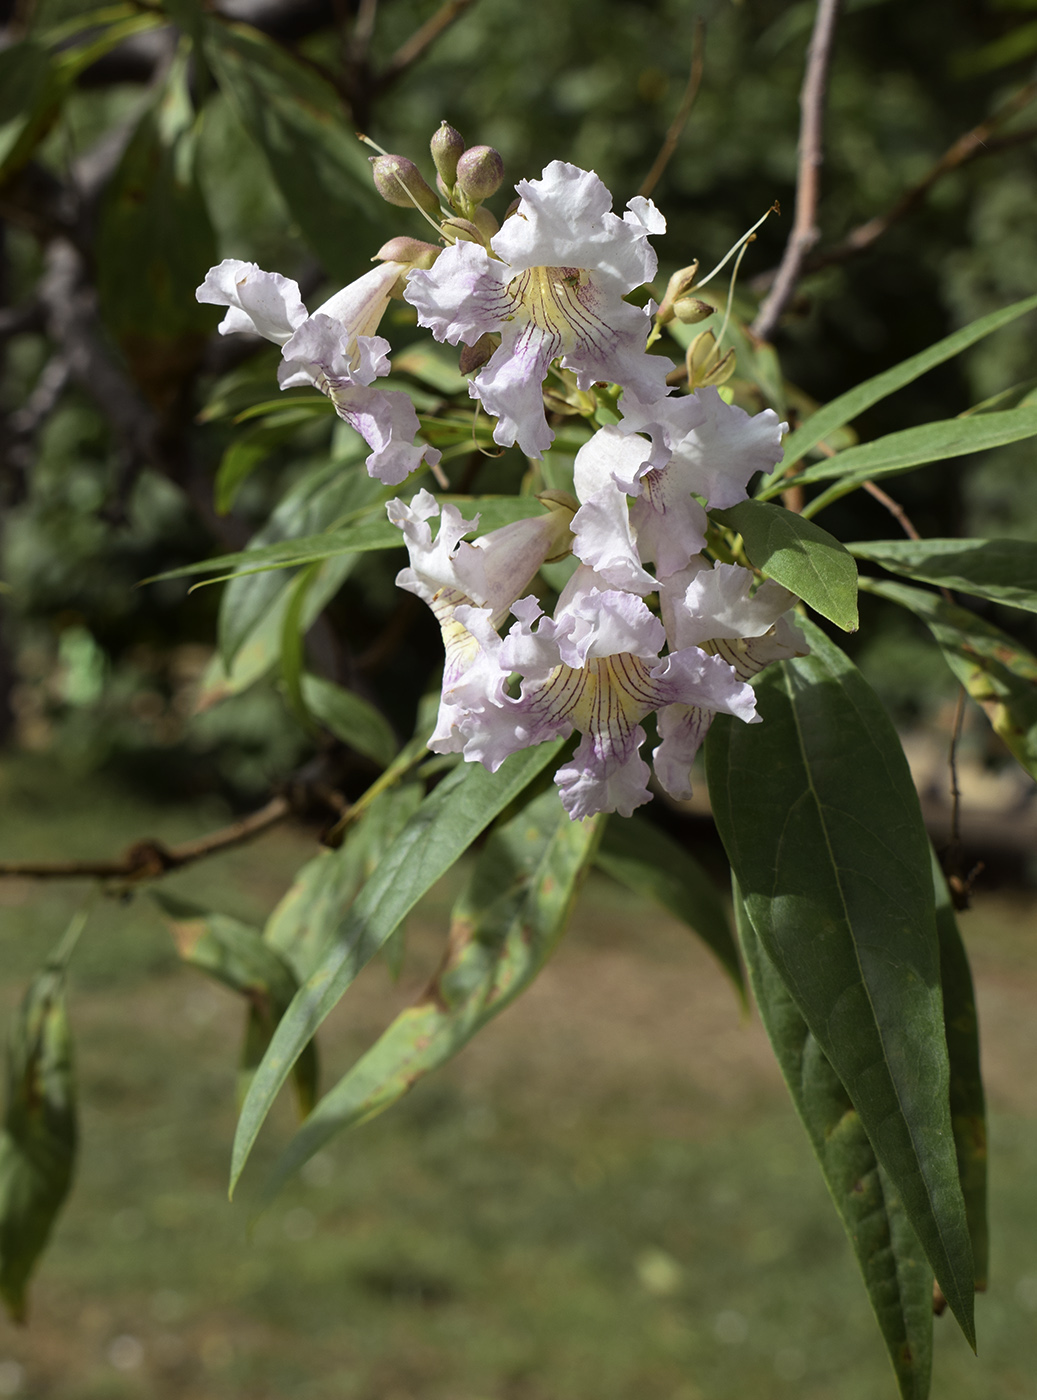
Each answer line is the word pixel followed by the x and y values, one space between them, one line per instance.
pixel 485 222
pixel 447 148
pixel 410 251
pixel 400 182
pixel 689 310
pixel 480 172
pixel 462 230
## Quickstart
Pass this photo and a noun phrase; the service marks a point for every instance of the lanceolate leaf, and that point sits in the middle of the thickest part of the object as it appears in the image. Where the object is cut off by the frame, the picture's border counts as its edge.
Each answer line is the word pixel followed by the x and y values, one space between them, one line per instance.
pixel 914 447
pixel 849 405
pixel 823 829
pixel 999 673
pixel 504 928
pixel 299 123
pixel 643 857
pixel 441 830
pixel 799 555
pixel 1003 571
pixel 896 1272
pixel 350 718
pixel 236 955
pixel 38 1141
pixel 968 1102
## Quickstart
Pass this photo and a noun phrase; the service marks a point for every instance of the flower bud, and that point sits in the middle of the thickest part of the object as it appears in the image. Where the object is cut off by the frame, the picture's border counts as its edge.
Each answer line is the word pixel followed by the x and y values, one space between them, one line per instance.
pixel 690 310
pixel 480 173
pixel 485 222
pixel 705 364
pixel 473 357
pixel 447 147
pixel 412 252
pixel 463 230
pixel 400 182
pixel 678 286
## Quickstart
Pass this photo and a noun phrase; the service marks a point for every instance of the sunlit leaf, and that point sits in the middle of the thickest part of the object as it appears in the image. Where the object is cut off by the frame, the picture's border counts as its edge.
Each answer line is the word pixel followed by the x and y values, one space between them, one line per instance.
pixel 896 1272
pixel 799 555
pixel 821 823
pixel 1003 571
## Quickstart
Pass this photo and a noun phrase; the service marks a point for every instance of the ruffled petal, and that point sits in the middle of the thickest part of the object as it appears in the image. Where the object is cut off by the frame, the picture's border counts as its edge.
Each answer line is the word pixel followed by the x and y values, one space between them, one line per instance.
pixel 461 297
pixel 386 420
pixel 600 779
pixel 263 303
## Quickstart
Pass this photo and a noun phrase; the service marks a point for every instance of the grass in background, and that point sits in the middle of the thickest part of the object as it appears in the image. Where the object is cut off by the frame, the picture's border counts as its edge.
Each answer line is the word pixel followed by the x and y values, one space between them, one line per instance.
pixel 605 1197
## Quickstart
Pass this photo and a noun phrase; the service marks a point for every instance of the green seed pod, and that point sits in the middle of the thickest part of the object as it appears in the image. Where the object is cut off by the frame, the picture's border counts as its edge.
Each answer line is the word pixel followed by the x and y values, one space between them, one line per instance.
pixel 400 182
pixel 480 173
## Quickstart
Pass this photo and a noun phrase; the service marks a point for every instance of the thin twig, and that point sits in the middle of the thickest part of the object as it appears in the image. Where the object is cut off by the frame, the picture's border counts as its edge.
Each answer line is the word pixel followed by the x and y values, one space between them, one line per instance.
pixel 968 147
pixel 952 765
pixel 895 509
pixel 691 91
pixel 805 232
pixel 147 860
pixel 420 40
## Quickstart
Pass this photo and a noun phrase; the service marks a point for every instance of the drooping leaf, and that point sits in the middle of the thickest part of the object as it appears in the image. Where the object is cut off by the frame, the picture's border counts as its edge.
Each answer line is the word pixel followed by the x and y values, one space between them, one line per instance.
pixel 303 923
pixel 997 671
pixel 154 242
pixel 38 1141
pixel 350 718
pixel 1003 571
pixel 27 96
pixel 648 861
pixel 968 1101
pixel 914 447
pixel 854 402
pixel 896 1272
pixel 799 555
pixel 441 830
pixel 823 830
pixel 504 927
pixel 298 121
pixel 237 955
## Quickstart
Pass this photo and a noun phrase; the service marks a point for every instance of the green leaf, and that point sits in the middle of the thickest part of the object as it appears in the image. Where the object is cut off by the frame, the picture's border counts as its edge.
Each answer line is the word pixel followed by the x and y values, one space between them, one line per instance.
pixel 298 121
pixel 799 555
pixel 27 101
pixel 293 637
pixel 154 219
pixel 505 926
pixel 236 955
pixel 351 718
pixel 441 830
pixel 1003 571
pixel 371 530
pixel 896 1272
pixel 853 403
pixel 999 673
pixel 914 447
pixel 302 925
pixel 38 1141
pixel 823 830
pixel 643 857
pixel 968 1102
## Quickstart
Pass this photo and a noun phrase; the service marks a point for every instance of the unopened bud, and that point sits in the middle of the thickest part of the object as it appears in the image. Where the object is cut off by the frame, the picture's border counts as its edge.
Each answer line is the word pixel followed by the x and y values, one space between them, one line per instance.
pixel 485 222
pixel 447 147
pixel 690 310
pixel 473 357
pixel 400 182
pixel 412 252
pixel 678 286
pixel 480 173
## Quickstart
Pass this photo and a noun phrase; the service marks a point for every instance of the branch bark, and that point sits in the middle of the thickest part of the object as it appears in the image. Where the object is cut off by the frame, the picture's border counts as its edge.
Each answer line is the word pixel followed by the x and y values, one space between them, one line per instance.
pixel 691 91
pixel 805 231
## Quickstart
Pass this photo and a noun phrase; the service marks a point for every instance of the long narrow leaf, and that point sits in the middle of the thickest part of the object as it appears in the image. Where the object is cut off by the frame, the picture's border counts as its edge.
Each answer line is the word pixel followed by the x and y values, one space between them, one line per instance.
pixel 504 928
pixel 997 671
pixel 851 404
pixel 1002 571
pixel 896 1272
pixel 823 829
pixel 442 829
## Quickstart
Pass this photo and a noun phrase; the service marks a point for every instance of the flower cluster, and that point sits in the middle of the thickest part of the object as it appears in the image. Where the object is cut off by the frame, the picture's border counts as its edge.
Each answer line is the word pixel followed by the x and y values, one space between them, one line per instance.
pixel 546 290
pixel 604 660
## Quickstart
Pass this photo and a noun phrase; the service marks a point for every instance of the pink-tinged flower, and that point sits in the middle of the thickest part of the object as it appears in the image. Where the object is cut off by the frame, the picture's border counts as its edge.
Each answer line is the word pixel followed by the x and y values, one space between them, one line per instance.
pixel 713 609
pixel 595 667
pixel 470 589
pixel 335 349
pixel 554 289
pixel 700 446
